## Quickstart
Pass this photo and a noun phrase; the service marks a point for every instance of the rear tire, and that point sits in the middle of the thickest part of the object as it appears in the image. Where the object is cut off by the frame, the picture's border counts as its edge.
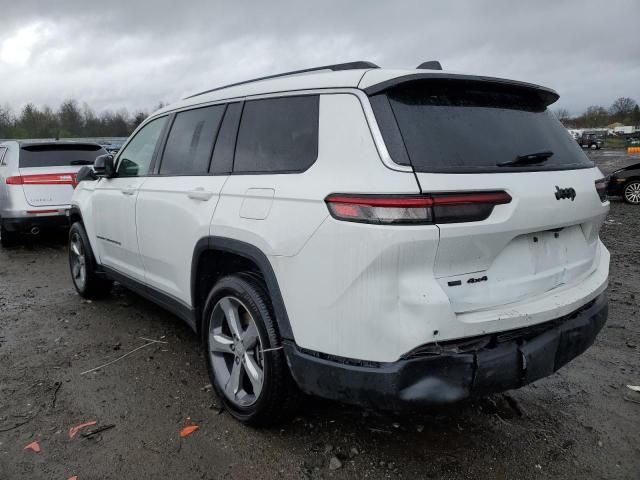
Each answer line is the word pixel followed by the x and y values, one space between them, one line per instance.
pixel 88 281
pixel 246 364
pixel 631 192
pixel 7 238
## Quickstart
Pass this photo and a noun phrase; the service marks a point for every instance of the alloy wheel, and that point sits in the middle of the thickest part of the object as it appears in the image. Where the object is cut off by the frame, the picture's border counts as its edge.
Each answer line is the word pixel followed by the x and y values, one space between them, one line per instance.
pixel 235 351
pixel 632 193
pixel 78 261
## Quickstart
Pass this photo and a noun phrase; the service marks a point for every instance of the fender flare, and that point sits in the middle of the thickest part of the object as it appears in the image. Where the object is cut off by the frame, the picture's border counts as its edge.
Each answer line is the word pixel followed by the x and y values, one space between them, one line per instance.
pixel 257 256
pixel 74 211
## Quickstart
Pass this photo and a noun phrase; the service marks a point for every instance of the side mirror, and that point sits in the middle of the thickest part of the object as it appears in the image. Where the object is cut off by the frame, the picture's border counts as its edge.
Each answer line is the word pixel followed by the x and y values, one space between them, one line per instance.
pixel 85 173
pixel 103 166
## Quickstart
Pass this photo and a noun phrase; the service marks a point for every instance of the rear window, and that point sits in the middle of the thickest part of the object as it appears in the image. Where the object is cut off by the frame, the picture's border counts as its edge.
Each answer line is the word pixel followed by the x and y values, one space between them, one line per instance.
pixel 53 155
pixel 457 126
pixel 278 135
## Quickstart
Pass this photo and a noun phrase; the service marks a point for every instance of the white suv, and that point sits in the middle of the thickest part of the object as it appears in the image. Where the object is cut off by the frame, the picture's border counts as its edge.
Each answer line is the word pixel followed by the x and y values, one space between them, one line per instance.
pixel 36 183
pixel 396 239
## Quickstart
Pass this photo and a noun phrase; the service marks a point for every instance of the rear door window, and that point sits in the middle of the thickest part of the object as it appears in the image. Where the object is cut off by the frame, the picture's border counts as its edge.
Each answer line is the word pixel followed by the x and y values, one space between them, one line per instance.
pixel 58 155
pixel 3 151
pixel 190 142
pixel 278 135
pixel 458 126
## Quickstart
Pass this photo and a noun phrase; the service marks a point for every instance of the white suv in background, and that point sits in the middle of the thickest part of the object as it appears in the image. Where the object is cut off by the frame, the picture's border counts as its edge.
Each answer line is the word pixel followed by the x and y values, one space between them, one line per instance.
pixel 36 183
pixel 397 239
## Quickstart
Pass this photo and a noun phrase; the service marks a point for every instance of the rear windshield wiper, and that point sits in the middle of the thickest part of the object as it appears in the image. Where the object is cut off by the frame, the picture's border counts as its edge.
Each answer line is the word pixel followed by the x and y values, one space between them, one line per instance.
pixel 529 159
pixel 80 162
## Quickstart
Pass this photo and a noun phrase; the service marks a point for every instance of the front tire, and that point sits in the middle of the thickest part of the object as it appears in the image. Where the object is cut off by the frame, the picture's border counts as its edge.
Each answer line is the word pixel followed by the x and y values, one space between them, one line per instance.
pixel 631 192
pixel 246 364
pixel 88 281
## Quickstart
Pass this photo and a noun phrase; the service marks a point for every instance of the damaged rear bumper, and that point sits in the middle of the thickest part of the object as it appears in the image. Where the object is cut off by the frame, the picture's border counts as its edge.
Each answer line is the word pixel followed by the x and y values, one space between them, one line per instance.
pixel 506 360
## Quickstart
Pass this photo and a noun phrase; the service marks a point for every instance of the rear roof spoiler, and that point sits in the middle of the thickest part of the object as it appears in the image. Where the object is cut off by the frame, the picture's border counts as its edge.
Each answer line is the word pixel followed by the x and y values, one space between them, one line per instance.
pixel 547 94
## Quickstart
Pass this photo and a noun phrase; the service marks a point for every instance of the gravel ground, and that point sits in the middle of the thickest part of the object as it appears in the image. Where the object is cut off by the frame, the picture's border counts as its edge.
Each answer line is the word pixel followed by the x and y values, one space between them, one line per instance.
pixel 574 424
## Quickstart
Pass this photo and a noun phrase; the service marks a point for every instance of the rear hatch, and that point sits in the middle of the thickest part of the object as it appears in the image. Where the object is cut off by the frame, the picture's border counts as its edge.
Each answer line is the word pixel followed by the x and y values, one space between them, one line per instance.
pixel 47 170
pixel 478 135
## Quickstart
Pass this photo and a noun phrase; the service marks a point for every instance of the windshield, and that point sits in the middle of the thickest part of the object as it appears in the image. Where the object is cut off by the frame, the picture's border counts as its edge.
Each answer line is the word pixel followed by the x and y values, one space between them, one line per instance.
pixel 462 126
pixel 58 155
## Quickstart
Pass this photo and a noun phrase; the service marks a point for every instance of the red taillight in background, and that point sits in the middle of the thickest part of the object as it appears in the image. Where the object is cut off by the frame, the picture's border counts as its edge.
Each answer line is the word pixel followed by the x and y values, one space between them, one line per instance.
pixel 601 188
pixel 40 212
pixel 415 209
pixel 14 181
pixel 44 179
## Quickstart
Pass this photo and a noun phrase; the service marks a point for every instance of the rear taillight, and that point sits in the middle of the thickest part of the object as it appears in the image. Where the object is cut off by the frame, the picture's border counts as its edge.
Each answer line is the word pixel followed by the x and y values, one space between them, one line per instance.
pixel 41 212
pixel 382 210
pixel 415 209
pixel 43 179
pixel 466 207
pixel 601 188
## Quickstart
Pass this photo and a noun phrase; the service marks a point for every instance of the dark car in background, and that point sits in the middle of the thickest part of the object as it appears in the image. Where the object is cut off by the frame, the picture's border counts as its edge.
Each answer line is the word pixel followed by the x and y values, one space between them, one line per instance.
pixel 625 183
pixel 591 140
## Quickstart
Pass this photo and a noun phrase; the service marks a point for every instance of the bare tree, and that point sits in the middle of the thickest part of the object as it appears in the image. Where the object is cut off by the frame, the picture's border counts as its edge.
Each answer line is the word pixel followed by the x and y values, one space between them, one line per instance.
pixel 137 119
pixel 563 115
pixel 6 121
pixel 70 119
pixel 622 108
pixel 595 116
pixel 635 116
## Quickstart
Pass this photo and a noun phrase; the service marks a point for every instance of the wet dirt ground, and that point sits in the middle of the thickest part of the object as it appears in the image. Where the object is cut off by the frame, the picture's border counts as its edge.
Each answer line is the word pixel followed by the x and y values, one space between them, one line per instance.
pixel 574 424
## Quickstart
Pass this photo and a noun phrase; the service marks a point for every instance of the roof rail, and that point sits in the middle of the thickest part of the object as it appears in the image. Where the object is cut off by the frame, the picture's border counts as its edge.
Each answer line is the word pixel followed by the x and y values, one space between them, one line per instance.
pixel 361 64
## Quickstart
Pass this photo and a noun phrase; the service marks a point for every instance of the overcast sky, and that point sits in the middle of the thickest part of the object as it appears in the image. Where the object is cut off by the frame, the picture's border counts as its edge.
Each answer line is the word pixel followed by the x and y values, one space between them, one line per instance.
pixel 133 54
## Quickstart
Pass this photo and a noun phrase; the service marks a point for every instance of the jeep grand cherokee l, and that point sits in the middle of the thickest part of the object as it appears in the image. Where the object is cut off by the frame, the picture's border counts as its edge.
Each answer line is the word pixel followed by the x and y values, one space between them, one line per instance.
pixel 397 239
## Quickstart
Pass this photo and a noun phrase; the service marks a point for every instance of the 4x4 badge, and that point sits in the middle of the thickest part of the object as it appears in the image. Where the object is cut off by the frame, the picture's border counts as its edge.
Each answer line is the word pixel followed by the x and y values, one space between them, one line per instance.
pixel 565 193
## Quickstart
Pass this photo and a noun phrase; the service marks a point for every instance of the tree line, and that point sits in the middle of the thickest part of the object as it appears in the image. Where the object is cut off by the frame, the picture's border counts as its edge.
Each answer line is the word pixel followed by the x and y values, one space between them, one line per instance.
pixel 69 120
pixel 624 110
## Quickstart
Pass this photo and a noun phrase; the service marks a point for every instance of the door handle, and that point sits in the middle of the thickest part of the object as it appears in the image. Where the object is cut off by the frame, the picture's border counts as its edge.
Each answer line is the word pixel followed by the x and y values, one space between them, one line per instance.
pixel 199 194
pixel 128 190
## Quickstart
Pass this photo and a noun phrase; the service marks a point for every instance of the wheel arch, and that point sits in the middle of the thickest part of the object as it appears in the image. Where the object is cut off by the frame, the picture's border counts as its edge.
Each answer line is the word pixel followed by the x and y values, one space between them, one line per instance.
pixel 75 215
pixel 214 257
pixel 633 178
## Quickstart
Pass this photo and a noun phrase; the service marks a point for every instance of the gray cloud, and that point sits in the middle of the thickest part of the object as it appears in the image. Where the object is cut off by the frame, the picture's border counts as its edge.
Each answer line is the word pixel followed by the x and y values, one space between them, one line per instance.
pixel 133 54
